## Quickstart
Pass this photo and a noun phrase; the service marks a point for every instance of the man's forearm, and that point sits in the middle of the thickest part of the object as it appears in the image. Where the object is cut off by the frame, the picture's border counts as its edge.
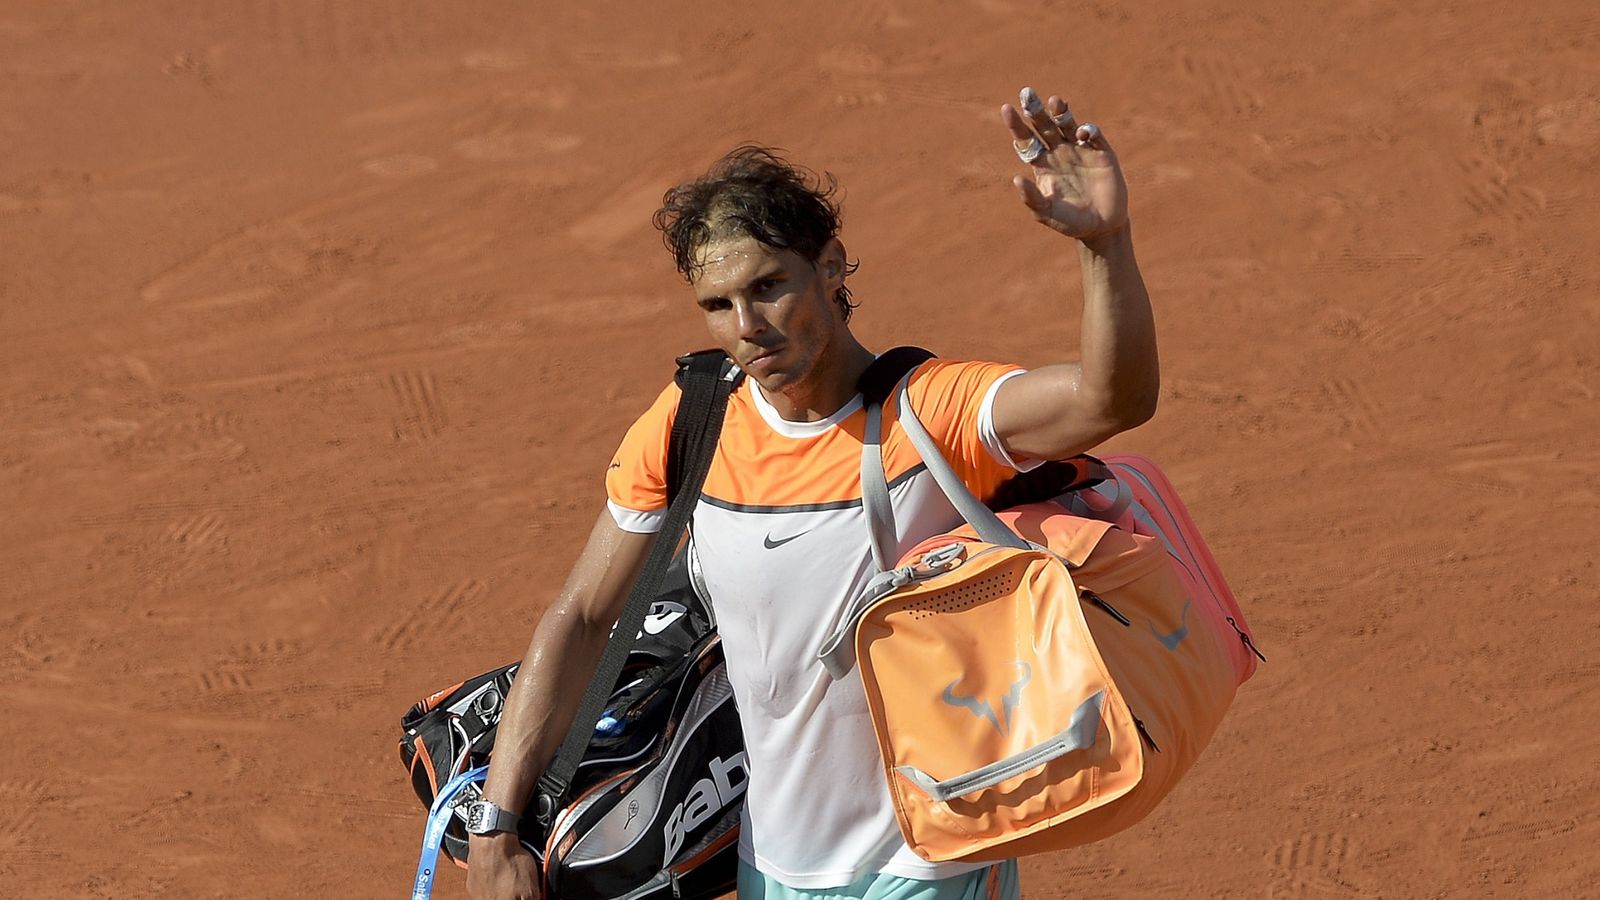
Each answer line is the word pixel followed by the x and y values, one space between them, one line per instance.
pixel 560 661
pixel 1121 375
pixel 541 705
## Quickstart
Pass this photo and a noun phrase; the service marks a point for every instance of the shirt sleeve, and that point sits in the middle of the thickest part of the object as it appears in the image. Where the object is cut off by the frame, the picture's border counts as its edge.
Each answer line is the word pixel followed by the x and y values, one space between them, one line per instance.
pixel 636 479
pixel 991 440
pixel 955 402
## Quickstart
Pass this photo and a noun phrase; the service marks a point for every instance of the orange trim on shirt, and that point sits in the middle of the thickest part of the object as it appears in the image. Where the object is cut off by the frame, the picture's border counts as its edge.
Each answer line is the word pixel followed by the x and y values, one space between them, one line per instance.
pixel 757 466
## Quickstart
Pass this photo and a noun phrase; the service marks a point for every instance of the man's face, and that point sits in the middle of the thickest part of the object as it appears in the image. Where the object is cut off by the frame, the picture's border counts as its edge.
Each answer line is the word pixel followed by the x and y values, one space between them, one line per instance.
pixel 771 310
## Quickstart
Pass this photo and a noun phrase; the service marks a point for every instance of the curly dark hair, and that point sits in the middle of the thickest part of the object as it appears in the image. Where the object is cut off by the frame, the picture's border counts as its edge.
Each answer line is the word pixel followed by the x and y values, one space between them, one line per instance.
pixel 754 192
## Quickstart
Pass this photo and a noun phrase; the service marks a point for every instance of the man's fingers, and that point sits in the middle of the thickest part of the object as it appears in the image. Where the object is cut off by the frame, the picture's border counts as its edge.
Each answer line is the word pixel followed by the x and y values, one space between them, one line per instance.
pixel 1015 123
pixel 1040 118
pixel 1040 126
pixel 1027 145
pixel 1032 197
pixel 1061 116
pixel 1089 136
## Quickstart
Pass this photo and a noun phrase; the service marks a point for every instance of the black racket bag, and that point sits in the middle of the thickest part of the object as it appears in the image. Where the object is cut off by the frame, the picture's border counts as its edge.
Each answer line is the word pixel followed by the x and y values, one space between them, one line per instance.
pixel 654 807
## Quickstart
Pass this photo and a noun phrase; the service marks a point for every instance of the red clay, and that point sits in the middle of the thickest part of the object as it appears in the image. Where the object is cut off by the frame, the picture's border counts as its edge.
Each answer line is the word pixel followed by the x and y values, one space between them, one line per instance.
pixel 322 319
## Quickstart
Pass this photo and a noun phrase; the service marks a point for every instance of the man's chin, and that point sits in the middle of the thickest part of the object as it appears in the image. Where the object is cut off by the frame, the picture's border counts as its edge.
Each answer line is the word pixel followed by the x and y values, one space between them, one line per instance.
pixel 775 381
pixel 772 382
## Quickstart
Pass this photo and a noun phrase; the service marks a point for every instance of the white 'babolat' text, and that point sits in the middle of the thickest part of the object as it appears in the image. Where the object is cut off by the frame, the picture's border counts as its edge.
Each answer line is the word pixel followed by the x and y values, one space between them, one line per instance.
pixel 708 797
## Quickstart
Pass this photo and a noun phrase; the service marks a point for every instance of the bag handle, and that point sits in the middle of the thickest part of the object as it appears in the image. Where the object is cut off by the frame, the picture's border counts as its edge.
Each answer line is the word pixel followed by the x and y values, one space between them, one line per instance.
pixel 1079 735
pixel 983 520
pixel 707 379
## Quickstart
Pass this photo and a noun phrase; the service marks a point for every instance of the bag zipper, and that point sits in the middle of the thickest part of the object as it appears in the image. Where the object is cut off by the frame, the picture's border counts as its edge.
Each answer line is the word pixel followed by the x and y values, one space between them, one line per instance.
pixel 1099 601
pixel 1246 639
pixel 1139 724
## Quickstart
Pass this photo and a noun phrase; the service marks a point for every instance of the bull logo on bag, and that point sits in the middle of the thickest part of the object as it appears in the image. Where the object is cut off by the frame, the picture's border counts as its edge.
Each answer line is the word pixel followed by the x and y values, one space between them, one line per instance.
pixel 983 709
pixel 1173 638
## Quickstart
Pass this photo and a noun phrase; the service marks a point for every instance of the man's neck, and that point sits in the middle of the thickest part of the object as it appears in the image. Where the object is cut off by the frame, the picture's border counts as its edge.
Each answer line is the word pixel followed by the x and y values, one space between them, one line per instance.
pixel 832 385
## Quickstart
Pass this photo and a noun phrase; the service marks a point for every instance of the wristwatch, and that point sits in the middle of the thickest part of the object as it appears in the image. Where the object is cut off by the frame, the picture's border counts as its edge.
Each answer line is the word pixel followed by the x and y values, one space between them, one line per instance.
pixel 484 817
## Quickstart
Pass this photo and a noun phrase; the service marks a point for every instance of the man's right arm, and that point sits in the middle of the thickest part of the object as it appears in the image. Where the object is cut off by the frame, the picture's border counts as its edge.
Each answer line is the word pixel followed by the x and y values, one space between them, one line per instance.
pixel 544 698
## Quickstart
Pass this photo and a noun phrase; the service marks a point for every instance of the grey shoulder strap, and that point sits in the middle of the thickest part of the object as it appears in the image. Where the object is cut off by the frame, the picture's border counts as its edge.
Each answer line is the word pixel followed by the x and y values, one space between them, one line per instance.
pixel 980 517
pixel 875 487
pixel 875 491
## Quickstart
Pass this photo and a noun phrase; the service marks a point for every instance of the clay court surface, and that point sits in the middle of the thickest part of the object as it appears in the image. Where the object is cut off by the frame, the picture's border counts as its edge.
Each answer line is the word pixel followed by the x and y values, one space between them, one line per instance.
pixel 321 320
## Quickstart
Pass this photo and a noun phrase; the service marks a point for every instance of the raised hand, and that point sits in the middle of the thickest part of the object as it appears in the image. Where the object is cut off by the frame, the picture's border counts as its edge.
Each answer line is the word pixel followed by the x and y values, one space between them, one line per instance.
pixel 1075 185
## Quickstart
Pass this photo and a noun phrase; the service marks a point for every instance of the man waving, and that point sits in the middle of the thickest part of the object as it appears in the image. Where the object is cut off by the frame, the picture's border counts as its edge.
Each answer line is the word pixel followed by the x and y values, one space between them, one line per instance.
pixel 780 535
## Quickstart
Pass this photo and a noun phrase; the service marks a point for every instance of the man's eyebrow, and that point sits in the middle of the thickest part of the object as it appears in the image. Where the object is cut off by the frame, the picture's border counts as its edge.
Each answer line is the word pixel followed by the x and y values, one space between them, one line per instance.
pixel 765 273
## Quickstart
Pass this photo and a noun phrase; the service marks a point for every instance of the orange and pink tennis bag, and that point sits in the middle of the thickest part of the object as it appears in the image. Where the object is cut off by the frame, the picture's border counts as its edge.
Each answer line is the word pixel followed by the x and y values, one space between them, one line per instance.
pixel 1042 677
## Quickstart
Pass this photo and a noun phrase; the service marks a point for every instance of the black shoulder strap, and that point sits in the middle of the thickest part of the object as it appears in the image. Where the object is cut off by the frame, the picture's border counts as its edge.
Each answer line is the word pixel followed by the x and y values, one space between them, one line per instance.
pixel 697 375
pixel 887 370
pixel 707 379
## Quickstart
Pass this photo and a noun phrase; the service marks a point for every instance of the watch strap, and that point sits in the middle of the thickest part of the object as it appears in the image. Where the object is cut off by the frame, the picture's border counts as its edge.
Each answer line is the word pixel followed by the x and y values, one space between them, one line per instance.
pixel 484 817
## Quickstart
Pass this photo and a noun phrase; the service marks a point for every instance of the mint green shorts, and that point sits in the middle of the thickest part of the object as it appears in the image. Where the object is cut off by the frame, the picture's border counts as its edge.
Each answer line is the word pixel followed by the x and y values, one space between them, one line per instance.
pixel 997 882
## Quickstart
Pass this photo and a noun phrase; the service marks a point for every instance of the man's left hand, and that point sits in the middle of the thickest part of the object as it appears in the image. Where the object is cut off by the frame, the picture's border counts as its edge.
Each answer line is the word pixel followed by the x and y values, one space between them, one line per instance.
pixel 1076 185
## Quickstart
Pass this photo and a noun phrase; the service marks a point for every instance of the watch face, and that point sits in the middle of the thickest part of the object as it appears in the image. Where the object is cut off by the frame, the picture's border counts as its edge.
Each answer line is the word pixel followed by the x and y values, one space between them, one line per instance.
pixel 477 814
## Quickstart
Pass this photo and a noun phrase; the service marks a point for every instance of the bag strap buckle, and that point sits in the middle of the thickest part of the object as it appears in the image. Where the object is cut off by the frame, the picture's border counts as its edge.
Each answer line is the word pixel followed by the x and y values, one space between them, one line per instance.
pixel 947 557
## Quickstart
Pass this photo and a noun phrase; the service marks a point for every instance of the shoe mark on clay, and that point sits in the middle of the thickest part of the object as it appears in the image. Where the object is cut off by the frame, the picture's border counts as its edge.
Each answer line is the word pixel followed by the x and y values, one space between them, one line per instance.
pixel 34 648
pixel 870 16
pixel 202 67
pixel 1552 686
pixel 1503 121
pixel 1365 263
pixel 495 60
pixel 274 649
pixel 437 613
pixel 196 437
pixel 502 146
pixel 1343 324
pixel 1223 84
pixel 264 263
pixel 861 100
pixel 1436 298
pixel 225 685
pixel 152 810
pixel 25 798
pixel 1312 865
pixel 183 518
pixel 334 31
pixel 232 764
pixel 382 807
pixel 195 530
pixel 1517 833
pixel 1491 191
pixel 214 681
pixel 1506 465
pixel 1573 123
pixel 337 695
pixel 918 91
pixel 628 59
pixel 1347 400
pixel 1002 8
pixel 851 59
pixel 400 165
pixel 422 412
pixel 1079 874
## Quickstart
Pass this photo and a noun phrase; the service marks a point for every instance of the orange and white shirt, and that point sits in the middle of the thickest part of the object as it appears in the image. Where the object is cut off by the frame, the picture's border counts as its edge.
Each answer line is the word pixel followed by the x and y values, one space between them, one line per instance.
pixel 780 541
